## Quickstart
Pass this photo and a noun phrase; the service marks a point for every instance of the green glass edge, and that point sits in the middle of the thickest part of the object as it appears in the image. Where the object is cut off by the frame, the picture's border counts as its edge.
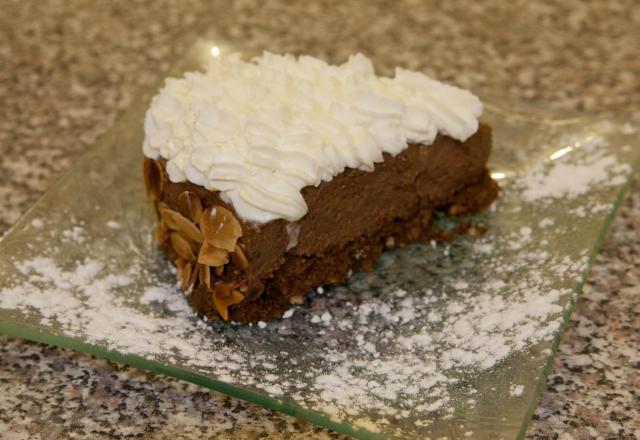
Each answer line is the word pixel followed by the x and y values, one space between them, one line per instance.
pixel 26 332
pixel 566 315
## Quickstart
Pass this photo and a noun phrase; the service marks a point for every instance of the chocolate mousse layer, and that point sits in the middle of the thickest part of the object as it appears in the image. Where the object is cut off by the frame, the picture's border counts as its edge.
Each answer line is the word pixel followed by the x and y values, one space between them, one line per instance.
pixel 247 272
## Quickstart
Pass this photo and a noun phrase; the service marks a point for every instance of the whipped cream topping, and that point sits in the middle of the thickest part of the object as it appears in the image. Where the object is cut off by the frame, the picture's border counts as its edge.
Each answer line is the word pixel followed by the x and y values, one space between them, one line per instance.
pixel 259 131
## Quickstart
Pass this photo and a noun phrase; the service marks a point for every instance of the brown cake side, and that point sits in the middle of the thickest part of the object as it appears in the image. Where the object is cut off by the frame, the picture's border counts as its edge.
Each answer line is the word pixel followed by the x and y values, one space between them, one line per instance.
pixel 255 271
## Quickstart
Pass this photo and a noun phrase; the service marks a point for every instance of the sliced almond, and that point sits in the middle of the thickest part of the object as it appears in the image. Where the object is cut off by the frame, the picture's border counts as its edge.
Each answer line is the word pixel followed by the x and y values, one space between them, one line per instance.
pixel 204 275
pixel 152 174
pixel 220 227
pixel 212 256
pixel 162 233
pixel 192 278
pixel 190 206
pixel 184 275
pixel 182 247
pixel 178 222
pixel 225 295
pixel 166 215
pixel 159 207
pixel 239 258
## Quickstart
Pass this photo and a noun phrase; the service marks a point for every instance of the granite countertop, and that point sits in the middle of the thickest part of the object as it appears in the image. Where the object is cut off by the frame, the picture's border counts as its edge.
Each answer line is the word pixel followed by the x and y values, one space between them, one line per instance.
pixel 70 68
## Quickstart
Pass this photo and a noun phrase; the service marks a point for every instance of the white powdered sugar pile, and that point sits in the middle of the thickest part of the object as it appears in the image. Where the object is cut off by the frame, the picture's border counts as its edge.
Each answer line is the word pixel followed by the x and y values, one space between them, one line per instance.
pixel 569 180
pixel 396 347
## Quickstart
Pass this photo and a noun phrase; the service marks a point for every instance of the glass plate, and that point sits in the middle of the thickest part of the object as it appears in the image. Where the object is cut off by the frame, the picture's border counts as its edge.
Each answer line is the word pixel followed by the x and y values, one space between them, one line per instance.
pixel 440 340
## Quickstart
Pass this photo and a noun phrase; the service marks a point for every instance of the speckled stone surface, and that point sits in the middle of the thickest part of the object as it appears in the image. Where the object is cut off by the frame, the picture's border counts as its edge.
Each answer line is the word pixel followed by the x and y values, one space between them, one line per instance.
pixel 69 69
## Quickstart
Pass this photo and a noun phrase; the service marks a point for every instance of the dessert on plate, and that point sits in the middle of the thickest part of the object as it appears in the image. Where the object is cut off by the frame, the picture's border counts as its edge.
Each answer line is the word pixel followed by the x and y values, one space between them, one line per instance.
pixel 274 176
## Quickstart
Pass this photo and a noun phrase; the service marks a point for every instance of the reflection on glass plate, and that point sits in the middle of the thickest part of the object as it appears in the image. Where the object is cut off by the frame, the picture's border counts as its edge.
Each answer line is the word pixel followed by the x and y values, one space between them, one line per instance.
pixel 440 340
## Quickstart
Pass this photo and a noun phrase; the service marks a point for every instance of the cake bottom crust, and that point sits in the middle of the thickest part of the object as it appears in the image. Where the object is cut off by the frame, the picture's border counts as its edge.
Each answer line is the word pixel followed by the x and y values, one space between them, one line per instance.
pixel 297 275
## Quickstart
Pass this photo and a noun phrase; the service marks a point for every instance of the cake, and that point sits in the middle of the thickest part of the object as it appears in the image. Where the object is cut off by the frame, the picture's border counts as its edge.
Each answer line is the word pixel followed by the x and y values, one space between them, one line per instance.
pixel 274 176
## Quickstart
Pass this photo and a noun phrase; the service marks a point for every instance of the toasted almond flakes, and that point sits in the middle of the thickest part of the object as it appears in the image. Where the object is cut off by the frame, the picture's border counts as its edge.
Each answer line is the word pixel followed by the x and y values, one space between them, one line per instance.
pixel 184 275
pixel 162 233
pixel 204 275
pixel 212 256
pixel 239 258
pixel 225 295
pixel 182 247
pixel 192 278
pixel 220 227
pixel 190 206
pixel 178 222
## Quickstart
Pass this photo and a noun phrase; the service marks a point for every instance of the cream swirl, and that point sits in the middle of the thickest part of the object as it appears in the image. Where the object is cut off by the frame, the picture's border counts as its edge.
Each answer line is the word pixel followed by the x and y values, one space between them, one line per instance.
pixel 262 130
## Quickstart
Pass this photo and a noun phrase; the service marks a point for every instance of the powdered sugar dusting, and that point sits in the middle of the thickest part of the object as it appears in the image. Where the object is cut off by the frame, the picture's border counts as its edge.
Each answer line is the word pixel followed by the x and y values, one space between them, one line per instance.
pixel 37 223
pixel 516 390
pixel 113 224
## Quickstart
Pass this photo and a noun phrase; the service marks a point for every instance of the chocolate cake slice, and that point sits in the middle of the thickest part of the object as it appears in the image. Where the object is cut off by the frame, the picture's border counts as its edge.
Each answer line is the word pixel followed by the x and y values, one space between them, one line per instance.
pixel 279 175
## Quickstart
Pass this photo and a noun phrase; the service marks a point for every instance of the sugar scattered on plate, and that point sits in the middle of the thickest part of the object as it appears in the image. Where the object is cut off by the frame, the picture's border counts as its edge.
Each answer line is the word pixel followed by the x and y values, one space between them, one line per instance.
pixel 627 128
pixel 568 179
pixel 112 224
pixel 516 390
pixel 37 223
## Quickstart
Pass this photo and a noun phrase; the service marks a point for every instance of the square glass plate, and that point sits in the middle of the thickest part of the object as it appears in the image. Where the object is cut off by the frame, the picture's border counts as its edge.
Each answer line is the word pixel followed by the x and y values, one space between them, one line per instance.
pixel 448 340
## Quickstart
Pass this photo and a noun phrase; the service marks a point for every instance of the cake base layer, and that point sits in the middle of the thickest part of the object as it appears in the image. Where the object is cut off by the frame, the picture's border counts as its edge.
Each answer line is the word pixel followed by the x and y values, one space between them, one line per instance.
pixel 298 275
pixel 351 220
